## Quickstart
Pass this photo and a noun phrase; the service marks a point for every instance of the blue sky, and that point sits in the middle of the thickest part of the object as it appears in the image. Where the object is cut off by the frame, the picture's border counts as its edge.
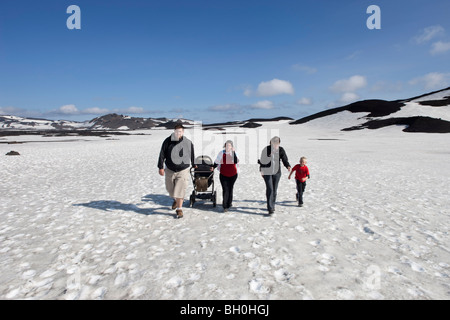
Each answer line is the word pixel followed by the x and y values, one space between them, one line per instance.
pixel 216 60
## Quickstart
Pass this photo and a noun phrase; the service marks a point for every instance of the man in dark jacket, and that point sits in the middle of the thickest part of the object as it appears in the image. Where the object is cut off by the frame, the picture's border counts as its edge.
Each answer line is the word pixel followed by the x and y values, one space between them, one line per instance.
pixel 177 153
pixel 271 170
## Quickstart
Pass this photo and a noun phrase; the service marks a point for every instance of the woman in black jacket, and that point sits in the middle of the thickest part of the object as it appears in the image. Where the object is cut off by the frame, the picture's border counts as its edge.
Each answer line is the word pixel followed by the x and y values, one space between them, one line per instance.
pixel 271 170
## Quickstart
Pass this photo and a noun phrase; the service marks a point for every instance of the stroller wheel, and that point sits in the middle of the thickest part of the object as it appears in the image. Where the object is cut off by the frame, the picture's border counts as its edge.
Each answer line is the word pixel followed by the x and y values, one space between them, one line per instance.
pixel 192 199
pixel 214 198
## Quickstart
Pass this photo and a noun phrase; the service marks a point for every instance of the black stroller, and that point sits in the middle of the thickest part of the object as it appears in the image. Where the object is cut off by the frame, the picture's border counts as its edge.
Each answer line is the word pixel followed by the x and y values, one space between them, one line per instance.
pixel 203 179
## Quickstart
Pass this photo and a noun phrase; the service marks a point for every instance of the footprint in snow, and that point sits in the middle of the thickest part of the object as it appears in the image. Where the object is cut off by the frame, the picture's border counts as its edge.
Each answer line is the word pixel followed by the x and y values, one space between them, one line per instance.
pixel 174 282
pixel 282 275
pixel 235 250
pixel 257 286
pixel 414 266
pixel 138 291
pixel 327 259
pixel 29 274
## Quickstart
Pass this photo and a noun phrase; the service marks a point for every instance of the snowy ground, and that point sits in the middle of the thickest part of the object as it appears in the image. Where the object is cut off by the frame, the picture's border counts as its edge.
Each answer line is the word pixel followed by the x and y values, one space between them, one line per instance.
pixel 91 220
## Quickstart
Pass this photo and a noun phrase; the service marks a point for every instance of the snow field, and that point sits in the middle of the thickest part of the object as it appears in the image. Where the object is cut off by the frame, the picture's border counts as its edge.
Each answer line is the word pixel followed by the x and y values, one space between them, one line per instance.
pixel 91 220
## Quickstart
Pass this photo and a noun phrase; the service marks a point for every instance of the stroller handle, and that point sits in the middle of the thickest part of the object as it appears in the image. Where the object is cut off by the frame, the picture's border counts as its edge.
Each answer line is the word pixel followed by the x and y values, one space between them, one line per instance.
pixel 201 171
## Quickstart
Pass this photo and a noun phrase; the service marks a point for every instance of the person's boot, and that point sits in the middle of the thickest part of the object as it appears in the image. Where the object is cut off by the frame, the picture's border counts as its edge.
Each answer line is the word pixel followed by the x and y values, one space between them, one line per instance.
pixel 179 213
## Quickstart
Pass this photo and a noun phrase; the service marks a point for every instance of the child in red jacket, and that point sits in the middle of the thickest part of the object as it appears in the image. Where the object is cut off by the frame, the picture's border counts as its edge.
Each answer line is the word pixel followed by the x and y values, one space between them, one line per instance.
pixel 301 175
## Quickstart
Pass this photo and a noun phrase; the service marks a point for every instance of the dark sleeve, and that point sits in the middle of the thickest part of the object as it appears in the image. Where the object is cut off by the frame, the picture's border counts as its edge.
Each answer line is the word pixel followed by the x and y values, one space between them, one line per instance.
pixel 236 160
pixel 284 157
pixel 162 154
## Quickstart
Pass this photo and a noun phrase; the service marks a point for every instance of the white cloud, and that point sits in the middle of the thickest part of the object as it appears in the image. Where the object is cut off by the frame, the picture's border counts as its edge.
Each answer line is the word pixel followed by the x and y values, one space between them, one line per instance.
pixel 305 101
pixel 13 111
pixel 440 47
pixel 274 87
pixel 265 104
pixel 71 109
pixel 135 110
pixel 349 85
pixel 428 34
pixel 304 68
pixel 353 55
pixel 68 109
pixel 95 110
pixel 130 110
pixel 433 80
pixel 387 86
pixel 238 108
pixel 10 111
pixel 226 107
pixel 248 92
pixel 349 97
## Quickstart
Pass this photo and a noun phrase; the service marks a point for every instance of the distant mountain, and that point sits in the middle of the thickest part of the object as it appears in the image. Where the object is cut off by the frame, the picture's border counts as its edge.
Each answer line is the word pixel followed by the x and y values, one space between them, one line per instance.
pixel 106 122
pixel 114 122
pixel 19 123
pixel 250 123
pixel 121 122
pixel 428 113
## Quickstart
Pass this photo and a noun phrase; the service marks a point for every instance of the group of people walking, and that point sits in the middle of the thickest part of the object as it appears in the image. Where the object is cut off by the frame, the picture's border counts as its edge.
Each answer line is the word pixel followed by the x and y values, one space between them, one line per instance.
pixel 177 156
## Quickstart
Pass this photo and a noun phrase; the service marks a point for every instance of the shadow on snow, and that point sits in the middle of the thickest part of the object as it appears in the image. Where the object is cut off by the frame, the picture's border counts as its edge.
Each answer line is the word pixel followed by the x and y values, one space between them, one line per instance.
pixel 164 204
